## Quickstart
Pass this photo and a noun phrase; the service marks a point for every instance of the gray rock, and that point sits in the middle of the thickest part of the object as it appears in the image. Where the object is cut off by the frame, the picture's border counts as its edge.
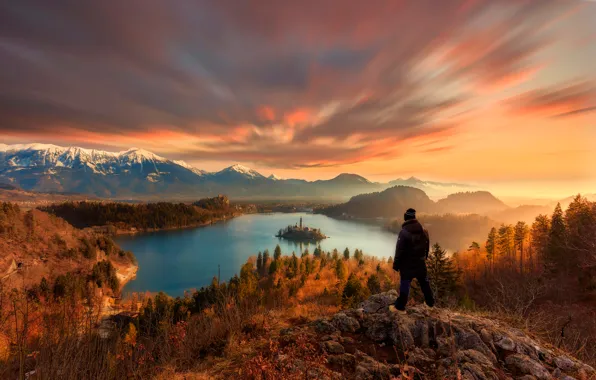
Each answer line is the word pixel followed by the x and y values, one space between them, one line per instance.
pixel 476 372
pixel 323 326
pixel 470 340
pixel 334 348
pixel 378 327
pixel 358 314
pixel 505 343
pixel 345 323
pixel 400 335
pixel 523 365
pixel 419 359
pixel 474 357
pixel 564 363
pixel 379 302
pixel 344 361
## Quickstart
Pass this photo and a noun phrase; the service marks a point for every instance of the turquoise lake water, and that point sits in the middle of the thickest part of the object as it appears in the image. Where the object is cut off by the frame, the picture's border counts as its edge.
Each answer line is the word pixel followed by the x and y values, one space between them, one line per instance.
pixel 175 261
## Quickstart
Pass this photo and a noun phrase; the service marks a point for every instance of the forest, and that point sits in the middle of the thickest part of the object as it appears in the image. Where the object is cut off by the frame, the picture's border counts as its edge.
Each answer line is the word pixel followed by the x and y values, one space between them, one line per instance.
pixel 146 216
pixel 543 274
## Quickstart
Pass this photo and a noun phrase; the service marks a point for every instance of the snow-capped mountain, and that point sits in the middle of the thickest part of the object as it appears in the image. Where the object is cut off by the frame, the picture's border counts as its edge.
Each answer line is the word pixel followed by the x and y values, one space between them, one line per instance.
pixel 135 173
pixel 239 172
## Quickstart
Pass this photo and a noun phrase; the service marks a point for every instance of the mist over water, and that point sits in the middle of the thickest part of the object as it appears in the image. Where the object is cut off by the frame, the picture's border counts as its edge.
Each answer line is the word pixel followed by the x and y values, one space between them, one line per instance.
pixel 175 261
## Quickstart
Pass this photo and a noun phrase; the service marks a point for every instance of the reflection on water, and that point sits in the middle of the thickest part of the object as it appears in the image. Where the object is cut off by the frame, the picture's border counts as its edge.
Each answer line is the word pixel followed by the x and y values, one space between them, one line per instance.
pixel 174 261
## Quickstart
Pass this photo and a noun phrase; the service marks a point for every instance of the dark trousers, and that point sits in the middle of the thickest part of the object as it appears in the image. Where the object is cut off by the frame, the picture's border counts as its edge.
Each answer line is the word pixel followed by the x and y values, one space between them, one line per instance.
pixel 404 290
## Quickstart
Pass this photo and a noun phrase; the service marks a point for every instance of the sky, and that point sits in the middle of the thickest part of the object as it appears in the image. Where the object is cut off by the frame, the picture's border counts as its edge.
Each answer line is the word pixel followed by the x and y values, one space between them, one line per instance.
pixel 498 93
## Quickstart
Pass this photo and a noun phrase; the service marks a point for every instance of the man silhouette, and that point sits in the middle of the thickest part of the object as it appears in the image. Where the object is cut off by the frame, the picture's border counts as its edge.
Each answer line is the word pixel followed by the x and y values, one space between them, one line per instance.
pixel 411 252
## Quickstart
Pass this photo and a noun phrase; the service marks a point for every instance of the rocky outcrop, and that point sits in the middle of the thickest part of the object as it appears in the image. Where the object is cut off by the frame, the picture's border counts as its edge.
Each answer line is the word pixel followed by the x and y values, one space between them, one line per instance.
pixel 372 343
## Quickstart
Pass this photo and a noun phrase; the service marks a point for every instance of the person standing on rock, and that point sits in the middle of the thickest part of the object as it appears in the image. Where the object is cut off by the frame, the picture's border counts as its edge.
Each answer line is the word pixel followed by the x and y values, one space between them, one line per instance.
pixel 411 252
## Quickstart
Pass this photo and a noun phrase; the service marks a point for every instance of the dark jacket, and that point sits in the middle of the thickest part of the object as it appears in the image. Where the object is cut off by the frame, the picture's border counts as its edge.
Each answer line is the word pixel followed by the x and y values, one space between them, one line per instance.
pixel 411 251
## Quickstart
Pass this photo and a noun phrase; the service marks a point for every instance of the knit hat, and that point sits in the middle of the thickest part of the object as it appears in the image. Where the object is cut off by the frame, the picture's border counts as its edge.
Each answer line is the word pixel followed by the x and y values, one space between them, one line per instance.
pixel 410 214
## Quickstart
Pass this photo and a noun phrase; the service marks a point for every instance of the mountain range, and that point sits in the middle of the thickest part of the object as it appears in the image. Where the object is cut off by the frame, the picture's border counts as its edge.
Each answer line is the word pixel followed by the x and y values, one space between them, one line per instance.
pixel 137 173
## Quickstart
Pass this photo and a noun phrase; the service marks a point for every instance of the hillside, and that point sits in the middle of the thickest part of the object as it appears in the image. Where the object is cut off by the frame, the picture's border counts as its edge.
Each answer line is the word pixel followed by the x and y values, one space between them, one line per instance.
pixel 392 203
pixel 389 203
pixel 35 244
pixel 368 342
pixel 476 202
pixel 124 217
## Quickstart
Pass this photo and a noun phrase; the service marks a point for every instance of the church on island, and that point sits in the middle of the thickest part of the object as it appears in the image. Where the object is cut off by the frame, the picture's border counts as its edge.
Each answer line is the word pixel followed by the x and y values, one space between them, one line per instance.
pixel 298 232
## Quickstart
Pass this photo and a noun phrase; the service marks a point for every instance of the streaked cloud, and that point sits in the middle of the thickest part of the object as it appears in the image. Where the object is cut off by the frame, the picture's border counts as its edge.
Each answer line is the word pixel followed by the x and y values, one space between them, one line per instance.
pixel 286 84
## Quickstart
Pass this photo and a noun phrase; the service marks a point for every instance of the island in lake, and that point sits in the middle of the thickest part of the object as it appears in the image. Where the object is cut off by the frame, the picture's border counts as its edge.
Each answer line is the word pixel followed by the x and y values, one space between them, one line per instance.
pixel 301 233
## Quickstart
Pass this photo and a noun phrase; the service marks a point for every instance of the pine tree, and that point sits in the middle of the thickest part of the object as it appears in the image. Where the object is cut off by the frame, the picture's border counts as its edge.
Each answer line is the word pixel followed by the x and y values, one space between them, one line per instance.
pixel 374 284
pixel 306 253
pixel 277 252
pixel 580 220
pixel 317 252
pixel 474 249
pixel 273 267
pixel 539 238
pixel 519 237
pixel 346 254
pixel 260 263
pixel 442 272
pixel 491 244
pixel 265 260
pixel 340 270
pixel 505 243
pixel 335 255
pixel 353 293
pixel 358 255
pixel 555 253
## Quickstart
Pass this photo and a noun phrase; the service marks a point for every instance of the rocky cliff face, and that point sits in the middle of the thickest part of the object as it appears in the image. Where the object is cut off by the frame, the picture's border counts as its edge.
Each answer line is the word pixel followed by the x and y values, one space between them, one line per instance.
pixel 372 343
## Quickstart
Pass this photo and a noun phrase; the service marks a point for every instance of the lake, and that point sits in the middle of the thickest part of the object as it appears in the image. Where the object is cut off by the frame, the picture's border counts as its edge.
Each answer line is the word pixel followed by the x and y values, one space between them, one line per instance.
pixel 179 260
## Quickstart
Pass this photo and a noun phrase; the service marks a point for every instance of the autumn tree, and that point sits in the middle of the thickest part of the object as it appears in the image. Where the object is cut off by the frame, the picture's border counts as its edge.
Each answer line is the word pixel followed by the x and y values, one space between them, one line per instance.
pixel 519 237
pixel 340 270
pixel 505 242
pixel 491 244
pixel 346 254
pixel 557 240
pixel 260 263
pixel 474 250
pixel 358 255
pixel 539 238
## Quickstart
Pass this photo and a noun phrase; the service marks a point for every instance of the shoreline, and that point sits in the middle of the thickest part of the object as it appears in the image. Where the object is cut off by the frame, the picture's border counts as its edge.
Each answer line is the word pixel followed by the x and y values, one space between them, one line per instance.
pixel 121 232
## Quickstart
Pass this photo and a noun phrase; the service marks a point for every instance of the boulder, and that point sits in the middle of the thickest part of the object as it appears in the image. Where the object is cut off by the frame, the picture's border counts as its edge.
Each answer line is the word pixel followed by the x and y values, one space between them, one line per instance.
pixel 523 365
pixel 345 323
pixel 379 302
pixel 334 348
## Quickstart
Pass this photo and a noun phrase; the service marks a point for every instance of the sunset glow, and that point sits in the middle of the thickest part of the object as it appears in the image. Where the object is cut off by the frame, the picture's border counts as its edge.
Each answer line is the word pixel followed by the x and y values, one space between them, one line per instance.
pixel 501 94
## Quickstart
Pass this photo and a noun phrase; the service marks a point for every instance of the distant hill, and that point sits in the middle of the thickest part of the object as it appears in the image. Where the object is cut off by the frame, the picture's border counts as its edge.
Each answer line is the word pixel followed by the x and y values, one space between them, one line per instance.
pixel 388 203
pixel 140 174
pixel 394 201
pixel 476 202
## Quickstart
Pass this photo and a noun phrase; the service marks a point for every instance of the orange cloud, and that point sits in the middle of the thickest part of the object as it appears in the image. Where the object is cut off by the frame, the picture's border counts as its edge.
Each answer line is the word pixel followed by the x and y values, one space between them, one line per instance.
pixel 266 113
pixel 298 116
pixel 559 101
